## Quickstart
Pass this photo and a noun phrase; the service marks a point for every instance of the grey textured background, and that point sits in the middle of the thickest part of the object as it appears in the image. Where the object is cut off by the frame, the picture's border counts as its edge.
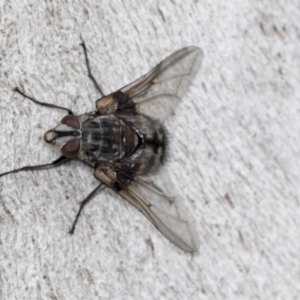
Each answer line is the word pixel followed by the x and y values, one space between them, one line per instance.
pixel 235 151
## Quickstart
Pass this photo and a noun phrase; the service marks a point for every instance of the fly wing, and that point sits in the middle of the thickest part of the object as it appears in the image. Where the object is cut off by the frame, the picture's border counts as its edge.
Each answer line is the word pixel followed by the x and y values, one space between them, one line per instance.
pixel 166 215
pixel 157 93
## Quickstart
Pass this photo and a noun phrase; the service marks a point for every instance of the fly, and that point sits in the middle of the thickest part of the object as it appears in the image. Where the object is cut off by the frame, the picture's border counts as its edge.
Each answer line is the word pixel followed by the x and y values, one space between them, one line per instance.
pixel 123 140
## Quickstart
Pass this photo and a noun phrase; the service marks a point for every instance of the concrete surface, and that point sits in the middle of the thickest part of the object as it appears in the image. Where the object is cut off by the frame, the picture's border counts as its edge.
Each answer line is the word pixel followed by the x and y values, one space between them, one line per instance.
pixel 235 154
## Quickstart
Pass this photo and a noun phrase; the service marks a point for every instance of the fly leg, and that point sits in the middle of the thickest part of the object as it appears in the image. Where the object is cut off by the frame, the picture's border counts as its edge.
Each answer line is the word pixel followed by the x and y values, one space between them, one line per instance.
pixel 43 103
pixel 83 203
pixel 107 177
pixel 100 175
pixel 97 86
pixel 55 163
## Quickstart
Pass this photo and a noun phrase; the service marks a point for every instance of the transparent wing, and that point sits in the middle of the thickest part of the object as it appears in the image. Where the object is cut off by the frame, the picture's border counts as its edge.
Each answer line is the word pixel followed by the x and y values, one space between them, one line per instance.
pixel 166 215
pixel 157 93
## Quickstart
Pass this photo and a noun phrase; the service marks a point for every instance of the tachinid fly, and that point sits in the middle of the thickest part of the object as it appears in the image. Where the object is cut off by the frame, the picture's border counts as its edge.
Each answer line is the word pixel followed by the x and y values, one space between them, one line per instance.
pixel 124 142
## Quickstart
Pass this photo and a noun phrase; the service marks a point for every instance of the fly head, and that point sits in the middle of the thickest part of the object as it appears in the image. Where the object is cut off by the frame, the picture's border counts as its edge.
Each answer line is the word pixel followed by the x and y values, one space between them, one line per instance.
pixel 66 136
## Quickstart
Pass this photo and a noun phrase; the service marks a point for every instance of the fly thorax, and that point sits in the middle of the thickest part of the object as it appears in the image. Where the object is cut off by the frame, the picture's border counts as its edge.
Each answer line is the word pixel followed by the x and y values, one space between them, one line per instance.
pixel 108 138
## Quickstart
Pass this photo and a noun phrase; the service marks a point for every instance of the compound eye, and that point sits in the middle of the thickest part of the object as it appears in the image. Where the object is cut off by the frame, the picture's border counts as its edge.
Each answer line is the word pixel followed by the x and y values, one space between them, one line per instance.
pixel 71 121
pixel 71 148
